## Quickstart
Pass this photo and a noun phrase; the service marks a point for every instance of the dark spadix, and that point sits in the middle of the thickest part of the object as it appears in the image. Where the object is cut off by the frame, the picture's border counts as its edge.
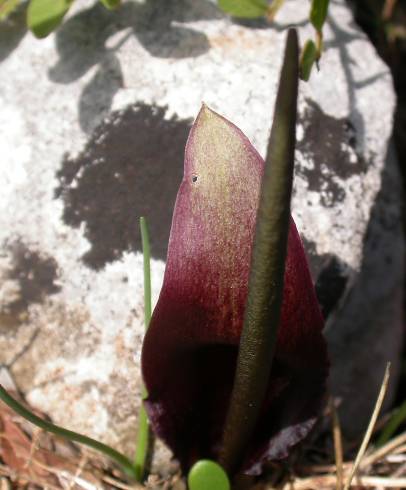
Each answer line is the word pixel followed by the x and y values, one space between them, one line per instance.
pixel 190 349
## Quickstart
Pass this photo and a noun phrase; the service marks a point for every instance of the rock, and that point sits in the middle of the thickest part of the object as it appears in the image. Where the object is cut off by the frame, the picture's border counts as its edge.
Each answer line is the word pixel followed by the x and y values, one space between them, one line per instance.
pixel 366 329
pixel 94 121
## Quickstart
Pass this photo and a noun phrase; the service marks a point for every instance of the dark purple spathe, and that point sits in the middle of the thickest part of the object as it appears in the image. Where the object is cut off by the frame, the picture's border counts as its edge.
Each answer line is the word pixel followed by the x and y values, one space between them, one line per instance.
pixel 190 349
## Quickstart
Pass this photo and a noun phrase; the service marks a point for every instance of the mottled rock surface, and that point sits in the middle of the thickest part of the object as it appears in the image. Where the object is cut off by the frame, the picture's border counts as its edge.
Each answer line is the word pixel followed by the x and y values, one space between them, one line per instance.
pixel 93 123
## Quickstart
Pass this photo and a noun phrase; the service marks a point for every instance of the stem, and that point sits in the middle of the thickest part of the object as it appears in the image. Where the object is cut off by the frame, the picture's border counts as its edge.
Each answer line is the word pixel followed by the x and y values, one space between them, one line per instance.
pixel 144 436
pixel 262 313
pixel 117 457
pixel 146 250
pixel 273 9
pixel 319 44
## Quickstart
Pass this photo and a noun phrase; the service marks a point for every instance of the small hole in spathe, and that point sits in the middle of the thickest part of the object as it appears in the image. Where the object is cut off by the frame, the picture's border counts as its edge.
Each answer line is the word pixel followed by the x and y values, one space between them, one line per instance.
pixel 194 178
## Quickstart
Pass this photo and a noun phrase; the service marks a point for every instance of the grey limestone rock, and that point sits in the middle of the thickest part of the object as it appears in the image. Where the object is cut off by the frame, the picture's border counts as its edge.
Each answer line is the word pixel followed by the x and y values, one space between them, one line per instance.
pixel 93 123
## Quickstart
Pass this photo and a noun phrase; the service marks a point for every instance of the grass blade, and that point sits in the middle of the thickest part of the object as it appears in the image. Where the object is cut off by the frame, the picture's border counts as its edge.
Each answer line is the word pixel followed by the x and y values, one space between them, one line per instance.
pixel 146 250
pixel 114 455
pixel 144 436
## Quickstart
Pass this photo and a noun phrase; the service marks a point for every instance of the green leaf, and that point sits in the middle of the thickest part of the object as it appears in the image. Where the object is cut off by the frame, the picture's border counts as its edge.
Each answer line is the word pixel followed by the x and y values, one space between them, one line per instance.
pixel 7 7
pixel 318 13
pixel 208 475
pixel 307 59
pixel 111 4
pixel 43 16
pixel 249 9
pixel 266 280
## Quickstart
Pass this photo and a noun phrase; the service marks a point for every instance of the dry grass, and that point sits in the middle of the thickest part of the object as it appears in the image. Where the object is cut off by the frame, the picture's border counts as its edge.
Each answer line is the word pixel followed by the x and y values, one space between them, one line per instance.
pixel 380 468
pixel 32 459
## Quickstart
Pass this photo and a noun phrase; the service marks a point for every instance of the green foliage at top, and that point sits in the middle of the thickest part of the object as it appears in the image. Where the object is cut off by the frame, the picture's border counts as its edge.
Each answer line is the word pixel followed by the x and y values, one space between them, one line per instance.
pixel 208 475
pixel 111 4
pixel 318 13
pixel 43 16
pixel 311 52
pixel 7 7
pixel 249 9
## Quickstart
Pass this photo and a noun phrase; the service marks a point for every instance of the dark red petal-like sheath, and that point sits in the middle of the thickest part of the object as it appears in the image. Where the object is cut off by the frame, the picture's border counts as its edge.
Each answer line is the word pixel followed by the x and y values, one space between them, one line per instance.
pixel 190 349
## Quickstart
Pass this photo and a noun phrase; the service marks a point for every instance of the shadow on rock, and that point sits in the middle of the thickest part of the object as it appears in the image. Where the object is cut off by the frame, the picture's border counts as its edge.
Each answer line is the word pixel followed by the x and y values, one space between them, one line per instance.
pixel 329 144
pixel 367 330
pixel 342 39
pixel 81 40
pixel 330 276
pixel 34 276
pixel 131 167
pixel 96 99
pixel 263 23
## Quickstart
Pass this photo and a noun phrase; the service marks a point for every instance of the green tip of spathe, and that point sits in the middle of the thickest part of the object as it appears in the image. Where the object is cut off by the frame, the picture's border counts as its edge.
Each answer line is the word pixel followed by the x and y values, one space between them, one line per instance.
pixel 208 475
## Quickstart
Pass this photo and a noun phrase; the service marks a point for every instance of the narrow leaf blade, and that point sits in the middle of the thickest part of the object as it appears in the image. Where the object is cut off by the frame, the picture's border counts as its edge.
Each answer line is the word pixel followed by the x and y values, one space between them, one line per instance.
pixel 318 13
pixel 144 436
pixel 307 59
pixel 70 435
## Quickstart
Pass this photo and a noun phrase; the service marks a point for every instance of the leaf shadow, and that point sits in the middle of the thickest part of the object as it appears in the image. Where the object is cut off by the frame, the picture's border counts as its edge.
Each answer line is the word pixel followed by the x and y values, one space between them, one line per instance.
pixel 82 43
